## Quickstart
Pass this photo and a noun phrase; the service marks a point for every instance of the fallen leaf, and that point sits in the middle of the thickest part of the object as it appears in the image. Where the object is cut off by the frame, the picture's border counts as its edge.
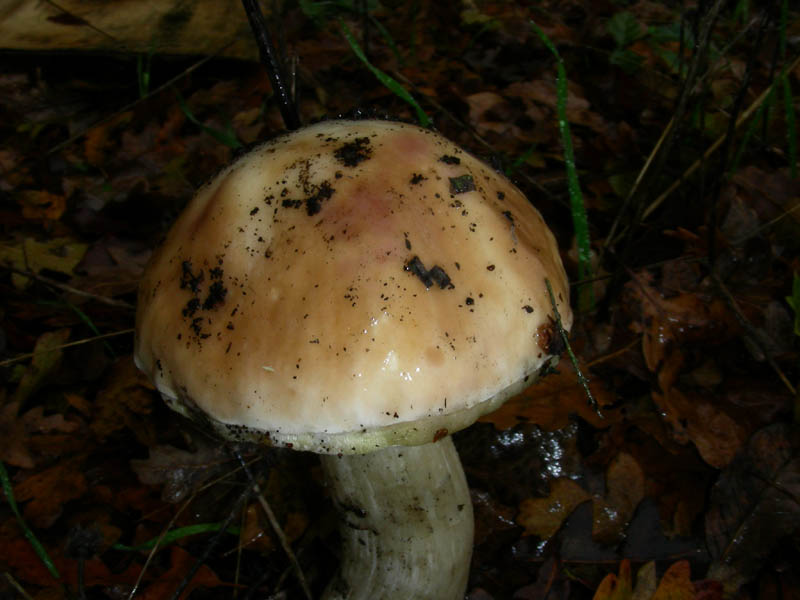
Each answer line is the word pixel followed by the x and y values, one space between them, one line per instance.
pixel 551 401
pixel 124 402
pixel 46 491
pixel 20 557
pixel 22 434
pixel 46 359
pixel 543 517
pixel 716 434
pixel 167 584
pixel 676 583
pixel 616 587
pixel 764 481
pixel 645 538
pixel 97 138
pixel 625 488
pixel 492 519
pixel 543 91
pixel 180 472
pixel 60 255
pixel 646 582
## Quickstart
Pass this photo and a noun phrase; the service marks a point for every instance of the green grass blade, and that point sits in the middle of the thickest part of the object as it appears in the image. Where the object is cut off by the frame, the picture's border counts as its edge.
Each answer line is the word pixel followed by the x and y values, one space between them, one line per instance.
pixel 385 79
pixel 227 138
pixel 579 220
pixel 791 124
pixel 521 159
pixel 387 37
pixel 37 546
pixel 174 535
pixel 85 319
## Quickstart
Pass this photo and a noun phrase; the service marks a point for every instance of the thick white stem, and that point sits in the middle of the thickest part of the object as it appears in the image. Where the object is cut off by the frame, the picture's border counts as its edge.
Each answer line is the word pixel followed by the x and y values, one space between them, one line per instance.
pixel 407 523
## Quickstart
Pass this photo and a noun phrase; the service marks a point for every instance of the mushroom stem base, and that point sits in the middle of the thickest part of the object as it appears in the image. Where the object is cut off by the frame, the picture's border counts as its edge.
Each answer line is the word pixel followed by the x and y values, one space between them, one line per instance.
pixel 407 523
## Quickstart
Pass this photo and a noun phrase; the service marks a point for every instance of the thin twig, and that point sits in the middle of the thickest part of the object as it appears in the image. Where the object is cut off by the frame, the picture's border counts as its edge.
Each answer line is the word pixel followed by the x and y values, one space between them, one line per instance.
pixel 273 521
pixel 68 288
pixel 95 338
pixel 581 377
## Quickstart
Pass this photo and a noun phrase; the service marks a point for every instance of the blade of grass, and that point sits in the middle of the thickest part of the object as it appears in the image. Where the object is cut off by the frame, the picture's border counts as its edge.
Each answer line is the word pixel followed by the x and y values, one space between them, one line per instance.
pixel 11 361
pixel 387 37
pixel 176 534
pixel 144 65
pixel 227 138
pixel 85 319
pixel 579 220
pixel 385 79
pixel 520 160
pixel 791 124
pixel 37 546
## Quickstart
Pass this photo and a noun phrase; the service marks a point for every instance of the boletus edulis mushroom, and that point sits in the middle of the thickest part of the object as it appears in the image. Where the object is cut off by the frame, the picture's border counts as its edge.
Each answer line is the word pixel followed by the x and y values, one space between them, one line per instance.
pixel 362 290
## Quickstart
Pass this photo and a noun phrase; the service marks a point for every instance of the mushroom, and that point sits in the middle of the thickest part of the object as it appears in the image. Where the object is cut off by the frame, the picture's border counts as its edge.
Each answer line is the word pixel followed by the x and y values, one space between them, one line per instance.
pixel 358 289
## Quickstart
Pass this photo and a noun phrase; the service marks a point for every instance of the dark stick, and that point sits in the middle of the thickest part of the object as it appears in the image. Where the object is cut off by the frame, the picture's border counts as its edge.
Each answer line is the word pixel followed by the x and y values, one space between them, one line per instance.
pixel 269 58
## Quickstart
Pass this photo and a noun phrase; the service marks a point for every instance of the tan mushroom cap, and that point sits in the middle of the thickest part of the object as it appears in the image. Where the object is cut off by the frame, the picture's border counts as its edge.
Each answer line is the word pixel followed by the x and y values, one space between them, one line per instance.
pixel 351 285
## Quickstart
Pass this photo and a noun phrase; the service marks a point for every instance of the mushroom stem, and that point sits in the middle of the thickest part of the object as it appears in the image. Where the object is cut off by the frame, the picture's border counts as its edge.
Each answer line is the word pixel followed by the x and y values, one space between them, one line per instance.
pixel 407 523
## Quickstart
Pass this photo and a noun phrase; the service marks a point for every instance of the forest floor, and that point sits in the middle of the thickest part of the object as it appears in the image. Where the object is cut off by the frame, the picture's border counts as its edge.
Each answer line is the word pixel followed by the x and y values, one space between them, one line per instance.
pixel 685 280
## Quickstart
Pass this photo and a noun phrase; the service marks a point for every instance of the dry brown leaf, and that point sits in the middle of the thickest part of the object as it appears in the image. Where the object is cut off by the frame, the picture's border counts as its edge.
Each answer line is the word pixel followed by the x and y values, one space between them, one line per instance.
pixel 716 434
pixel 625 488
pixel 97 139
pixel 179 472
pixel 550 402
pixel 46 359
pixel 676 583
pixel 20 433
pixel 48 490
pixel 61 255
pixel 616 587
pixel 168 583
pixel 543 91
pixel 124 402
pixel 543 517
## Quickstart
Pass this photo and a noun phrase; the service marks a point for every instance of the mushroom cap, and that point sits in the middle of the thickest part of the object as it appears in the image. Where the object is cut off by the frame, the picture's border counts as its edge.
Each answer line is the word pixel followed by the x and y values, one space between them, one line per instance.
pixel 348 286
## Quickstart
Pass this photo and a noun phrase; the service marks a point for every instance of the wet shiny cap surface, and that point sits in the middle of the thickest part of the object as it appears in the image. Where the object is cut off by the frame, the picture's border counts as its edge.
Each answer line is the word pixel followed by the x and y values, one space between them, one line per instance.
pixel 339 285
